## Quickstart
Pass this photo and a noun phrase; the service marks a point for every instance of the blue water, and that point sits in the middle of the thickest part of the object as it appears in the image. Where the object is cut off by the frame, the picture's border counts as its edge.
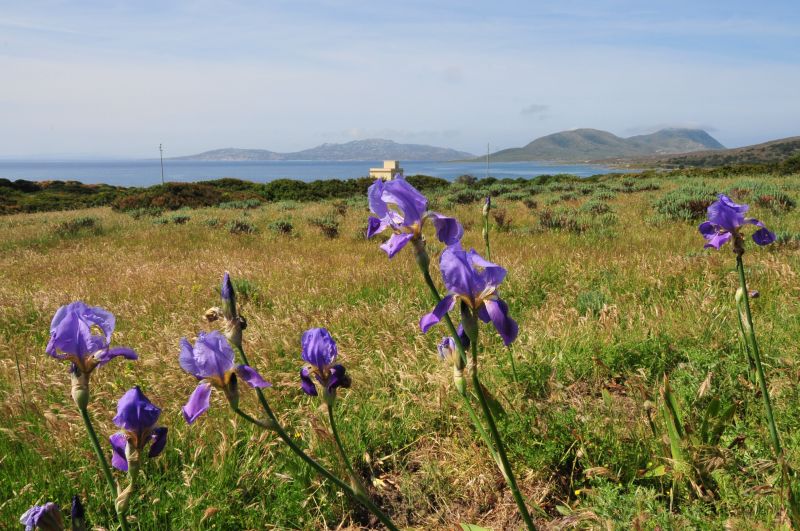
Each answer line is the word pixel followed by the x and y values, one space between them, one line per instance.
pixel 148 172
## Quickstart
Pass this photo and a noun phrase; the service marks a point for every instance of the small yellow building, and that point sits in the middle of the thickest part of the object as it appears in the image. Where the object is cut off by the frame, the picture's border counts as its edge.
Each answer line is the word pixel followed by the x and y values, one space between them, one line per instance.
pixel 389 170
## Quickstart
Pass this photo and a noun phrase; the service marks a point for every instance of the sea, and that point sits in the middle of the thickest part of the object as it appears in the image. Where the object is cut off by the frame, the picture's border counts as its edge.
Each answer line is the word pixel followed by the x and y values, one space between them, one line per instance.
pixel 148 172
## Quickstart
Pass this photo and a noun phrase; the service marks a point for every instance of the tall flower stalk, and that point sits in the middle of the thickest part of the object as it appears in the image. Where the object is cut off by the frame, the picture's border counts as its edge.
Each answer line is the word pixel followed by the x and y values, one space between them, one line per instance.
pixel 81 335
pixel 725 221
pixel 233 325
pixel 399 205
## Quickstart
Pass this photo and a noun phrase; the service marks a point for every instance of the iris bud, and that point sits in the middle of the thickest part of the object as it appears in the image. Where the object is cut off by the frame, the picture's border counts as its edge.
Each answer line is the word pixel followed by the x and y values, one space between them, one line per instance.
pixel 228 298
pixel 80 387
pixel 123 501
pixel 458 380
pixel 78 516
pixel 423 260
pixel 487 205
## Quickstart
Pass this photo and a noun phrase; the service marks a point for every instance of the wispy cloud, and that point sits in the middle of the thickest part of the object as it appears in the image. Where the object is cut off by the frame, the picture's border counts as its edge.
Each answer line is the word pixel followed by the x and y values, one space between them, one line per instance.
pixel 535 109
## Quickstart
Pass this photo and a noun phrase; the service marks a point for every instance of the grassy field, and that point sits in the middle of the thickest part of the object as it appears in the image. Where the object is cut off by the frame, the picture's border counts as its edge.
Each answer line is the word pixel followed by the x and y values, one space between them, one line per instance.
pixel 612 290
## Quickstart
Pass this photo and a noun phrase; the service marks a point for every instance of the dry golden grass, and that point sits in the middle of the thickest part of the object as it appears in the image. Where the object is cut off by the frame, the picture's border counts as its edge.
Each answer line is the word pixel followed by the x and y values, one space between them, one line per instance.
pixel 408 433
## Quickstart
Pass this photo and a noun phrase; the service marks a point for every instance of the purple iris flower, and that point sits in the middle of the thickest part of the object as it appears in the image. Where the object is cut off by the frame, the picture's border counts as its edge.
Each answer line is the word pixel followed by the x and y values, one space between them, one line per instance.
pixel 319 351
pixel 82 334
pixel 399 206
pixel 725 218
pixel 211 360
pixel 47 517
pixel 137 418
pixel 474 281
pixel 447 347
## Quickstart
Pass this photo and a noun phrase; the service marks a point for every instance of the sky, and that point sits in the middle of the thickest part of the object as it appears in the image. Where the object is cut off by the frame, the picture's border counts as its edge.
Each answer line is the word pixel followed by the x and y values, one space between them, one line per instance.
pixel 114 79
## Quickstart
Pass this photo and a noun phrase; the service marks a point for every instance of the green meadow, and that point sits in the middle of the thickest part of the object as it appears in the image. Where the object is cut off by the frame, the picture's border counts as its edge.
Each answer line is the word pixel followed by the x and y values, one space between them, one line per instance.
pixel 607 278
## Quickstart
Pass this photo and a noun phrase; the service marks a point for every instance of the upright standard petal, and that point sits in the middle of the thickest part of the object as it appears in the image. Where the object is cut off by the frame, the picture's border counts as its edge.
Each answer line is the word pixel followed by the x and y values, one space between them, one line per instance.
pixel 198 403
pixel 726 214
pixel 72 336
pixel 407 198
pixel 212 355
pixel 118 443
pixel 457 272
pixel 442 307
pixel 505 325
pixel 396 243
pixel 158 441
pixel 318 347
pixel 251 377
pixel 135 412
pixel 99 317
pixel 186 358
pixel 492 274
pixel 374 196
pixel 448 230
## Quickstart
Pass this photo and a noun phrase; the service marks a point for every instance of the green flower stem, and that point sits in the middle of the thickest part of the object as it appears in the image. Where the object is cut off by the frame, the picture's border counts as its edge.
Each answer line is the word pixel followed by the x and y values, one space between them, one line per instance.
pixel 501 452
pixel 486 234
pixel 460 349
pixel 762 379
pixel 321 470
pixel 87 421
pixel 357 485
pixel 794 506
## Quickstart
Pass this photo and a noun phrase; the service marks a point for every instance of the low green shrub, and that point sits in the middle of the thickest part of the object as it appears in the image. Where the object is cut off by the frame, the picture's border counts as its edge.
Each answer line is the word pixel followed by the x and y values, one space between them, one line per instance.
pixel 75 226
pixel 590 302
pixel 240 226
pixel 328 225
pixel 764 195
pixel 595 207
pixel 687 203
pixel 241 205
pixel 281 226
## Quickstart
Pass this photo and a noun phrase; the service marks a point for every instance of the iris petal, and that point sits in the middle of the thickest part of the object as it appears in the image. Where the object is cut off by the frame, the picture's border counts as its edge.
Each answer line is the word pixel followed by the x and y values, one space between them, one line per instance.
pixel 306 383
pixel 198 402
pixel 118 460
pixel 396 243
pixel 443 306
pixel 318 347
pixel 158 441
pixel 505 325
pixel 251 377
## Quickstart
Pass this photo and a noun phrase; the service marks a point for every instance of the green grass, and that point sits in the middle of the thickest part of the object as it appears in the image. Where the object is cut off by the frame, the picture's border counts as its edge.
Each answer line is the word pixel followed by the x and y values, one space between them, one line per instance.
pixel 610 297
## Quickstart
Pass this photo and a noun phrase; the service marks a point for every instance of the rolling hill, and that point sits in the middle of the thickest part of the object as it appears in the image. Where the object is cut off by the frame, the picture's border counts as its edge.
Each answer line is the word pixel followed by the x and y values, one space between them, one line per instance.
pixel 583 145
pixel 772 152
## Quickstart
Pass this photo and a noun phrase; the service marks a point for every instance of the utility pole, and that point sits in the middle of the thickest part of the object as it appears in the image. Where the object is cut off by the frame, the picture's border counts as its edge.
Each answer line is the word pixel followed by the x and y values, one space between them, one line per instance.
pixel 487 160
pixel 161 151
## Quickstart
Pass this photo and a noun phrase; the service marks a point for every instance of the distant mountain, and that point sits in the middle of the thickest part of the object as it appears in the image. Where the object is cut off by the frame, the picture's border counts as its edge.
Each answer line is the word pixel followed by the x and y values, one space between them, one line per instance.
pixel 772 152
pixel 583 145
pixel 233 154
pixel 370 149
